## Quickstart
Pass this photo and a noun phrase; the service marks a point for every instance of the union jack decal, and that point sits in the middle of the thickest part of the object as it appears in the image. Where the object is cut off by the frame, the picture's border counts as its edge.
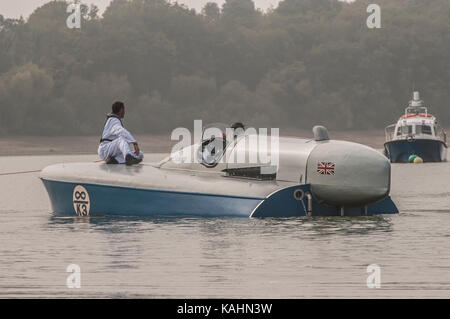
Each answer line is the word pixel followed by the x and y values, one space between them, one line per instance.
pixel 325 168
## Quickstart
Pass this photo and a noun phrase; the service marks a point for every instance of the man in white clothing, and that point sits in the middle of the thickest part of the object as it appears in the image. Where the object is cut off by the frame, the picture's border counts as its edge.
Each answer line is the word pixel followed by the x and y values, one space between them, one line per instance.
pixel 116 141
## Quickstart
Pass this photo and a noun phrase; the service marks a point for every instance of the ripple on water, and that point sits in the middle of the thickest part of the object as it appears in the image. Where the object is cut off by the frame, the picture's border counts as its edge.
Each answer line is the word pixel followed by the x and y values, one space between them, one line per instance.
pixel 229 257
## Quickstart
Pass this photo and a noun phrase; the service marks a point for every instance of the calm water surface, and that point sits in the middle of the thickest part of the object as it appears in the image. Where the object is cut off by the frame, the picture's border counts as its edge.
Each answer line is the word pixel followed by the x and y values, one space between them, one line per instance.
pixel 225 257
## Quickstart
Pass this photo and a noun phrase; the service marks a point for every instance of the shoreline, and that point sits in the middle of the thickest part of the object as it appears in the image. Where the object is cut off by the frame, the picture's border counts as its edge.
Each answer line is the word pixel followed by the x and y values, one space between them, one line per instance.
pixel 73 145
pixel 149 143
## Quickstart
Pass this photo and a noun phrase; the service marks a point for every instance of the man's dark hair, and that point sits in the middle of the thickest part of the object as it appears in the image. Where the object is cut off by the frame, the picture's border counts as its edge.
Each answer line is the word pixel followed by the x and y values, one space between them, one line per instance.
pixel 117 106
pixel 237 125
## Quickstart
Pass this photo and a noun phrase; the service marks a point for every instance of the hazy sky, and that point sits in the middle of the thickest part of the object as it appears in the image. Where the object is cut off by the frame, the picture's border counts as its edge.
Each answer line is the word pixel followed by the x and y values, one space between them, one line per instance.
pixel 16 8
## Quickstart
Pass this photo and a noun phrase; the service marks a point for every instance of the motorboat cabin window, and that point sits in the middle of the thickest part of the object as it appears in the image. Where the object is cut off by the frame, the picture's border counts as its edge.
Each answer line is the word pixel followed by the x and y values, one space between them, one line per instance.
pixel 426 129
pixel 399 131
pixel 407 129
pixel 213 145
pixel 418 129
pixel 423 129
pixel 211 151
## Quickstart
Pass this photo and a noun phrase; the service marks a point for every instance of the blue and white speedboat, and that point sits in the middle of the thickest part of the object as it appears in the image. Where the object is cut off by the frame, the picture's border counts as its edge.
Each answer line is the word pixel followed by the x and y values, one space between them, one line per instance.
pixel 312 177
pixel 416 133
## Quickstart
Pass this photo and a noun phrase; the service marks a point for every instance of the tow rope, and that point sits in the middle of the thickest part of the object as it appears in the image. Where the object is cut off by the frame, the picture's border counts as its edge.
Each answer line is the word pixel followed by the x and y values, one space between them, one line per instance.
pixel 28 172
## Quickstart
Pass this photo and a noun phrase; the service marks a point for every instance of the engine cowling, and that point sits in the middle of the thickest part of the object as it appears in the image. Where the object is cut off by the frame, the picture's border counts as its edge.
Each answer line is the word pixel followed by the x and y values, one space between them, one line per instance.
pixel 346 174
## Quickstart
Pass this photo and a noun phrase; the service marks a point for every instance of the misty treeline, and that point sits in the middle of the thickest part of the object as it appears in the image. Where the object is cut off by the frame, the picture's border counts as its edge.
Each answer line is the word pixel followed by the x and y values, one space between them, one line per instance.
pixel 302 63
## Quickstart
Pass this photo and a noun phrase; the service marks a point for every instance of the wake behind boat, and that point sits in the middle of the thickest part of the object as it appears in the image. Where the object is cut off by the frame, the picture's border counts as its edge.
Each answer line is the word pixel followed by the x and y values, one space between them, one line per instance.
pixel 416 134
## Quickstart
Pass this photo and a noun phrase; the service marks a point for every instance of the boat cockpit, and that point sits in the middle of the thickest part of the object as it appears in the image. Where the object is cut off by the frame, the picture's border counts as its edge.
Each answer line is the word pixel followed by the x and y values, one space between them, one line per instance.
pixel 215 140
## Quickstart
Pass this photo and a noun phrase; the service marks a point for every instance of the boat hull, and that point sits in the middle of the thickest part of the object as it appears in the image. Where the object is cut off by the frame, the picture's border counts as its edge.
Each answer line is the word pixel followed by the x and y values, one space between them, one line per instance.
pixel 71 199
pixel 399 151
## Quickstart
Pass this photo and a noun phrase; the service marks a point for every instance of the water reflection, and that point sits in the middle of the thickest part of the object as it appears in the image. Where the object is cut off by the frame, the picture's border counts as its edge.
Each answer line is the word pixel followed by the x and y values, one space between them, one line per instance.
pixel 228 257
pixel 224 227
pixel 346 226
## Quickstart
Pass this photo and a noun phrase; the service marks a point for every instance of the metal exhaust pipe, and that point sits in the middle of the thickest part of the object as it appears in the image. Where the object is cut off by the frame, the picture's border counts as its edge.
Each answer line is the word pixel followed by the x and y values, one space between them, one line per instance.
pixel 310 200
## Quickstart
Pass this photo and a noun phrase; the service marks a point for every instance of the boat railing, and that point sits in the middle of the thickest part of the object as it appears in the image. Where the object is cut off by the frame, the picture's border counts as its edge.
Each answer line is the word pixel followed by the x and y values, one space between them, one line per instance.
pixel 416 110
pixel 390 132
pixel 441 134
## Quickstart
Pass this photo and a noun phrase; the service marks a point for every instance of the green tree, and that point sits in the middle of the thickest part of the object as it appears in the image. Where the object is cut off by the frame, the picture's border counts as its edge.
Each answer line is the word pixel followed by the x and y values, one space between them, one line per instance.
pixel 302 63
pixel 211 11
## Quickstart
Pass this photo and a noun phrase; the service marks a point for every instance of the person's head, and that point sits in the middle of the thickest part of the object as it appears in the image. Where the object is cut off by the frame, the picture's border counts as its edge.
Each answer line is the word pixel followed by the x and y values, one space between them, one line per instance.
pixel 238 128
pixel 118 108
